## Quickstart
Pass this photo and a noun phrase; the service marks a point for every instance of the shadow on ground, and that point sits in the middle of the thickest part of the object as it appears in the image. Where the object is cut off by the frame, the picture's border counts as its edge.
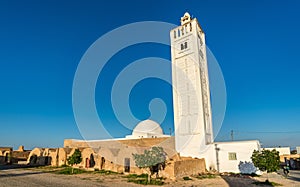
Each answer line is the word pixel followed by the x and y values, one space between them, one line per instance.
pixel 238 181
pixel 294 175
pixel 17 166
pixel 19 174
pixel 14 166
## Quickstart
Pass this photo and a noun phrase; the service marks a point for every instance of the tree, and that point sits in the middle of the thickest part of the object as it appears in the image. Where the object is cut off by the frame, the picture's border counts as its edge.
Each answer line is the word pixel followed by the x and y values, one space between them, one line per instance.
pixel 75 158
pixel 151 160
pixel 266 160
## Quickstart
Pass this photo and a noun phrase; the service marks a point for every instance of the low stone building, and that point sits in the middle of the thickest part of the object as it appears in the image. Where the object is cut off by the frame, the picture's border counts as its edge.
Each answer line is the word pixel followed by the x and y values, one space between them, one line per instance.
pixel 5 155
pixel 20 155
pixel 117 154
pixel 10 156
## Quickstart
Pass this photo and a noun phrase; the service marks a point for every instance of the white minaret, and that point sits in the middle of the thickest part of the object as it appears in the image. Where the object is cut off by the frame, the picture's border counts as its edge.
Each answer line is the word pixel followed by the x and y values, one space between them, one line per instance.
pixel 191 94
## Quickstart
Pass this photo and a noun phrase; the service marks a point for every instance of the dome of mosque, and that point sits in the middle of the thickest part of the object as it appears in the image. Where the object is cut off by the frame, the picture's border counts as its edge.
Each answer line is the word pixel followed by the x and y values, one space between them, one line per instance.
pixel 149 127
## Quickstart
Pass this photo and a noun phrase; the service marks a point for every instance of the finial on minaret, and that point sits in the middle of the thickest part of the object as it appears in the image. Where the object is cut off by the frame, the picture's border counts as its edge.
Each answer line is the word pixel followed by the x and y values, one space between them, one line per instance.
pixel 186 18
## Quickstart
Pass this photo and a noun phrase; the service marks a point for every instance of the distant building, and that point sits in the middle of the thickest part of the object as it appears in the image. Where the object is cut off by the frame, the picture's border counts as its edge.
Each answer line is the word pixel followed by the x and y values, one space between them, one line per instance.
pixel 5 155
pixel 281 150
pixel 298 150
pixel 10 156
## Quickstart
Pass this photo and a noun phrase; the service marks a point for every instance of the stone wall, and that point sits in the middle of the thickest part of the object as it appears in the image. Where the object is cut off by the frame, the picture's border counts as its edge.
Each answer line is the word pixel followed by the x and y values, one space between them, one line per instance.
pixel 189 167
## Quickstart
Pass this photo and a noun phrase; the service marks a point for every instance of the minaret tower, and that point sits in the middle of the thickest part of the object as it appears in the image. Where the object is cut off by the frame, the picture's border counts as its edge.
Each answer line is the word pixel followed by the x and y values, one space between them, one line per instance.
pixel 191 94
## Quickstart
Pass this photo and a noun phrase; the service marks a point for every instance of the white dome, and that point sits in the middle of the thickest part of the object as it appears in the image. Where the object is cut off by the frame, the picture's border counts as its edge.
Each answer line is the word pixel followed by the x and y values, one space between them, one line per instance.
pixel 148 127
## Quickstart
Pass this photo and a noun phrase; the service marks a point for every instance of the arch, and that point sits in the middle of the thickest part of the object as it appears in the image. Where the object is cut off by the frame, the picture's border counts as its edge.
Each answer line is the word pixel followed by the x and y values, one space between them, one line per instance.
pixel 92 160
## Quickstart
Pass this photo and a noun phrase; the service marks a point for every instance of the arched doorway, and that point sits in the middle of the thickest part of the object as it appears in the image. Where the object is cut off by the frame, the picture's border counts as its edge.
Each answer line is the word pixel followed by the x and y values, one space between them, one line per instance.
pixel 92 161
pixel 6 158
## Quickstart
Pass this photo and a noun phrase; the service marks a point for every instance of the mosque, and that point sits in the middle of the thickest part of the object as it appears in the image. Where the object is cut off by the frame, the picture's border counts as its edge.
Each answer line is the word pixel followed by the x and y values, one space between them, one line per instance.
pixel 192 149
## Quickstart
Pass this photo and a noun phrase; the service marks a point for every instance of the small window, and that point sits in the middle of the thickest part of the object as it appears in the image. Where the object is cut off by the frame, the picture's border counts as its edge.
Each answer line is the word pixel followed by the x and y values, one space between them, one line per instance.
pixel 185 45
pixel 190 27
pixel 178 32
pixel 232 156
pixel 175 34
pixel 182 47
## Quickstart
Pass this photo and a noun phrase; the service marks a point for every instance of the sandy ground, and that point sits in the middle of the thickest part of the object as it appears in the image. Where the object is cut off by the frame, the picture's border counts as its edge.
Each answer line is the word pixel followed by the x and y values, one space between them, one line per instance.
pixel 36 177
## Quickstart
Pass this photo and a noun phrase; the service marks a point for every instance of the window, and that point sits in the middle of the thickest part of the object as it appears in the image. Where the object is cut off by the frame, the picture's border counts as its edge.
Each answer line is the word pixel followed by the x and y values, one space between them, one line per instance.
pixel 183 46
pixel 232 156
pixel 178 32
pixel 175 34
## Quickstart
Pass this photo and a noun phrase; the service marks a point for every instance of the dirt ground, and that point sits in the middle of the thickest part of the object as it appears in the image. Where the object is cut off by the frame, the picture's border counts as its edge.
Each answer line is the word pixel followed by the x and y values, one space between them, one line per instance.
pixel 38 177
pixel 224 181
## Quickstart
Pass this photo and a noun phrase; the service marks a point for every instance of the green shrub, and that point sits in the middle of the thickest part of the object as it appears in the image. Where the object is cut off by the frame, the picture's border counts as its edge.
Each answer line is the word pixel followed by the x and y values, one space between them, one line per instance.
pixel 143 179
pixel 105 172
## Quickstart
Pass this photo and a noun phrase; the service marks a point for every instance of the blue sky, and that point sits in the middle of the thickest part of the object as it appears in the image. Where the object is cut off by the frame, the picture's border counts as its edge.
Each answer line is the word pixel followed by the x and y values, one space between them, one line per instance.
pixel 41 43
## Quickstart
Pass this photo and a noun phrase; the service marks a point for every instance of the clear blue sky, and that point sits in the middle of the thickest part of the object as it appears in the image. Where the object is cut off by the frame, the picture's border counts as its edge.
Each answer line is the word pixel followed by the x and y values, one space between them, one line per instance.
pixel 41 43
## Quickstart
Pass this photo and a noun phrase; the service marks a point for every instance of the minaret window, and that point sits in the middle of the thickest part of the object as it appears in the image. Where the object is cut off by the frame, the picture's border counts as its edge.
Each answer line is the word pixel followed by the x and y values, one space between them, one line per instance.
pixel 183 46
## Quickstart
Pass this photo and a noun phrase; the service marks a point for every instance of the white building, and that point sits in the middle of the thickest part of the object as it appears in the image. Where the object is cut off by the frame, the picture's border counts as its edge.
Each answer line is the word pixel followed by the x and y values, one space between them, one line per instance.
pixel 281 150
pixel 191 103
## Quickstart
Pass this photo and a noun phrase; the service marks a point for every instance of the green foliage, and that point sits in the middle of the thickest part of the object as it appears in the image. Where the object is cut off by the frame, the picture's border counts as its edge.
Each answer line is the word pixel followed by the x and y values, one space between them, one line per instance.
pixel 143 179
pixel 206 176
pixel 150 158
pixel 70 171
pixel 187 178
pixel 266 160
pixel 75 158
pixel 137 176
pixel 105 172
